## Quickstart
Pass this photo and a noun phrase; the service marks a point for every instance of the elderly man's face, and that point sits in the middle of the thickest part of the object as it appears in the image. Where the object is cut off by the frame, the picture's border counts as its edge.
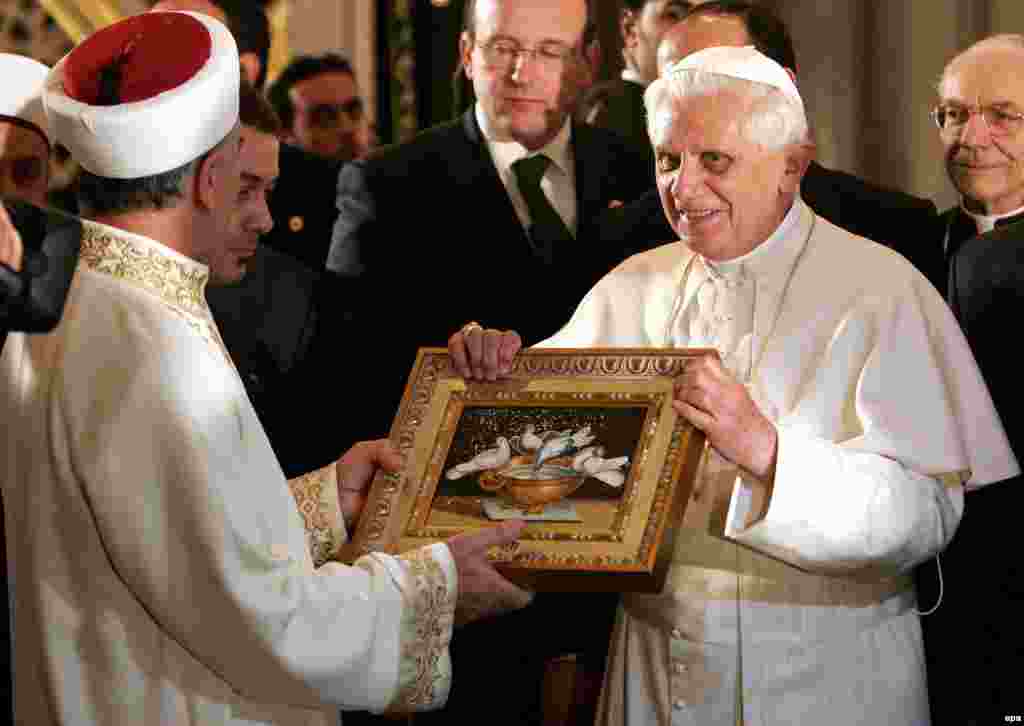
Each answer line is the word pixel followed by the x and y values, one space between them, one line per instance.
pixel 722 193
pixel 526 97
pixel 643 30
pixel 24 163
pixel 698 32
pixel 985 162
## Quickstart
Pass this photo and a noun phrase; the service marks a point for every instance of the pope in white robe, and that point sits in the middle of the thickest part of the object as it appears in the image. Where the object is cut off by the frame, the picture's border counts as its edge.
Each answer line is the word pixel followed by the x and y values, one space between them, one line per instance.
pixel 800 609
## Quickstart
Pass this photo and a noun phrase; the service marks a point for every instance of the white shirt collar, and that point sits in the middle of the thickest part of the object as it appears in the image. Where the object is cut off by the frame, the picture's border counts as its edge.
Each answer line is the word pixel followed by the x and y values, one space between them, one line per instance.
pixel 987 222
pixel 765 260
pixel 505 153
pixel 628 74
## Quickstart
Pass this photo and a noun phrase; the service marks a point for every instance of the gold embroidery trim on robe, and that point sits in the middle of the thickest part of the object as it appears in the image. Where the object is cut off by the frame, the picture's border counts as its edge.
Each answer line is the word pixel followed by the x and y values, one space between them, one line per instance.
pixel 426 629
pixel 174 281
pixel 316 495
pixel 180 284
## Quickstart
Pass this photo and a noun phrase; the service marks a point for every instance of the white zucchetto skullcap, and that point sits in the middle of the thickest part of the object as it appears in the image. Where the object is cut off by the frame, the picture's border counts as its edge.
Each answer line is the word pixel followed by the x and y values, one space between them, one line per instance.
pixel 22 94
pixel 744 62
pixel 145 95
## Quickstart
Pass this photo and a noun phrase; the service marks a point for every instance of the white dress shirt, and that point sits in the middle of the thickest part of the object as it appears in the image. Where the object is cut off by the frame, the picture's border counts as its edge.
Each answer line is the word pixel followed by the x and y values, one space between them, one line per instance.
pixel 559 181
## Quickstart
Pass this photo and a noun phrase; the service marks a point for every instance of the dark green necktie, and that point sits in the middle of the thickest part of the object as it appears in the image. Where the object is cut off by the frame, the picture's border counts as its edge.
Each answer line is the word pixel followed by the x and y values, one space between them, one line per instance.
pixel 547 230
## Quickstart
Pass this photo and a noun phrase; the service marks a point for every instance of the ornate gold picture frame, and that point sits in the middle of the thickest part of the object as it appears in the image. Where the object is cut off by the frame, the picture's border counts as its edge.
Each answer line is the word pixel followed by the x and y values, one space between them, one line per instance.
pixel 583 444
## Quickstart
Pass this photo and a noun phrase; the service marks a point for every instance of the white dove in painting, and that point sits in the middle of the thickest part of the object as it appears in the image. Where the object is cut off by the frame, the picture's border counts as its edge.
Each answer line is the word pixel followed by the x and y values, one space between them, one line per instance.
pixel 595 464
pixel 493 458
pixel 577 462
pixel 591 461
pixel 529 439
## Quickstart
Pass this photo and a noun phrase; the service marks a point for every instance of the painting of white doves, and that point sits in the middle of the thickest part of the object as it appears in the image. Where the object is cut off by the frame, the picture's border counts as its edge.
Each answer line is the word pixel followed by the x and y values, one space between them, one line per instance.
pixel 584 446
pixel 484 461
pixel 544 464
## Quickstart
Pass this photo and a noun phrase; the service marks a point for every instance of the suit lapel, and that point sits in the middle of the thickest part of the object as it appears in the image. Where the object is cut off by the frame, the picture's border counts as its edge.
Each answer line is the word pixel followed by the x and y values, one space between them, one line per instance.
pixel 477 174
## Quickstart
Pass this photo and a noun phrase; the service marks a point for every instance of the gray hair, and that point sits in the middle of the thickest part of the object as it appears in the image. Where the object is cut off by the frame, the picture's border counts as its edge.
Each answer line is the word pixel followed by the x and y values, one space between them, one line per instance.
pixel 775 121
pixel 1012 41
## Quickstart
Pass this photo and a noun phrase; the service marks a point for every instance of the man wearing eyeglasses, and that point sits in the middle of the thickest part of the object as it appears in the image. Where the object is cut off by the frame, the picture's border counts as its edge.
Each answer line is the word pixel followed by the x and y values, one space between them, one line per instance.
pixel 980 116
pixel 974 642
pixel 510 196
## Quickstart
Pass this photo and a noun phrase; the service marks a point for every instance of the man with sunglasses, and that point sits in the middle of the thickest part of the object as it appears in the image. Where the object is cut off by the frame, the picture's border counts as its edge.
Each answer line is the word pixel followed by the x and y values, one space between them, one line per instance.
pixel 974 642
pixel 318 100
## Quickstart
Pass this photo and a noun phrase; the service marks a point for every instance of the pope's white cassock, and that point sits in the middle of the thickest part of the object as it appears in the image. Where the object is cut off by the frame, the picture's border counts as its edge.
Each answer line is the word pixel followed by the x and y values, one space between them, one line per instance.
pixel 163 570
pixel 807 616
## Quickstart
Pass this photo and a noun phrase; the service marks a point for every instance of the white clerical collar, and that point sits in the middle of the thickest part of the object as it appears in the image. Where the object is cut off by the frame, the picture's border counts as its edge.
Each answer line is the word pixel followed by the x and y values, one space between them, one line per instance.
pixel 763 260
pixel 506 153
pixel 628 74
pixel 769 265
pixel 987 222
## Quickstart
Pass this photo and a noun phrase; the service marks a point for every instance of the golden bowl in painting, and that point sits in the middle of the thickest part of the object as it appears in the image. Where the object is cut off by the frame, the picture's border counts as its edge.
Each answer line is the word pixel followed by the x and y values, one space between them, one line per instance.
pixel 519 484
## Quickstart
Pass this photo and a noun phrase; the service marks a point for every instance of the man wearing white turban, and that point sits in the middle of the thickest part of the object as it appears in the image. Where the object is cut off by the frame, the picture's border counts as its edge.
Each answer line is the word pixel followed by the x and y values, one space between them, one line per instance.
pixel 165 571
pixel 844 412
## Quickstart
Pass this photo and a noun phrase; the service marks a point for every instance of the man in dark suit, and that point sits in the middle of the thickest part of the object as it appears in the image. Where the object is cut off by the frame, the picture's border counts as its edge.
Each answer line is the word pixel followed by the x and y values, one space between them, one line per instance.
pixel 461 176
pixel 278 322
pixel 304 208
pixel 618 104
pixel 302 204
pixel 468 206
pixel 974 642
pixel 901 221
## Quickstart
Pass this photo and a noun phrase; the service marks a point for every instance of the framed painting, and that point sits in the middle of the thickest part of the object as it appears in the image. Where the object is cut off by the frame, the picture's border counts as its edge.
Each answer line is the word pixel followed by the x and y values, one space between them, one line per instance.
pixel 582 444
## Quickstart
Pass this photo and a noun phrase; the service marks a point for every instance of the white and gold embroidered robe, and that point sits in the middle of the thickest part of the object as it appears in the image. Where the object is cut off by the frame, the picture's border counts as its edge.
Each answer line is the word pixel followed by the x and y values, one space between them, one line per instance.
pixel 161 571
pixel 881 415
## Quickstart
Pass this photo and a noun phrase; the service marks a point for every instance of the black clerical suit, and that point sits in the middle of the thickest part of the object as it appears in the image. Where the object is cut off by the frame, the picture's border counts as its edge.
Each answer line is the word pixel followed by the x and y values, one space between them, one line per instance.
pixel 302 205
pixel 974 642
pixel 429 225
pixel 905 223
